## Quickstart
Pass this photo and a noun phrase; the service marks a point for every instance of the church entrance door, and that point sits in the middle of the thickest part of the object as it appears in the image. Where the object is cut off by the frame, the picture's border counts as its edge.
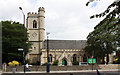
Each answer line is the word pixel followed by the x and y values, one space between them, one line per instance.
pixel 64 62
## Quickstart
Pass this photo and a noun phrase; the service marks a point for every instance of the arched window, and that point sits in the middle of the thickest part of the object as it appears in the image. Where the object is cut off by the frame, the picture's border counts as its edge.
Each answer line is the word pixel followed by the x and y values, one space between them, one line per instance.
pixel 50 58
pixel 34 48
pixel 34 24
pixel 84 58
pixel 74 57
pixel 80 58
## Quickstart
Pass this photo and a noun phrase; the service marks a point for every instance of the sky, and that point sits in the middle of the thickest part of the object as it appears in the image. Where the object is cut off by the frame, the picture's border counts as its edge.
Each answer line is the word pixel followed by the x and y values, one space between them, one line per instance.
pixel 64 19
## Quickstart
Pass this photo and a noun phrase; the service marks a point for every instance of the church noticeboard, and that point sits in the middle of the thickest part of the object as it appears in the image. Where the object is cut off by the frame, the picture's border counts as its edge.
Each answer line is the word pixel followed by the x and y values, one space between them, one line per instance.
pixel 90 61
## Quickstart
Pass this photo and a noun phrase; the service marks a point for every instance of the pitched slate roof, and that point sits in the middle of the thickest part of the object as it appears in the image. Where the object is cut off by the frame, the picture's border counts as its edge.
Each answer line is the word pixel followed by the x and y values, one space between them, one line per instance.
pixel 65 44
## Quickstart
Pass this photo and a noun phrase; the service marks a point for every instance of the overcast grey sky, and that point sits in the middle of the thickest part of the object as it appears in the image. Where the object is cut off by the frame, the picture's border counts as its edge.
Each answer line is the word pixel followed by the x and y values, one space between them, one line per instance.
pixel 64 19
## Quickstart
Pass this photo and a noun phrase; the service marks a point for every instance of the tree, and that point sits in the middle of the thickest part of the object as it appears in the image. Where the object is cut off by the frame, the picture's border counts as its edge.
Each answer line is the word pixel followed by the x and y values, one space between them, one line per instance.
pixel 12 39
pixel 112 11
pixel 105 38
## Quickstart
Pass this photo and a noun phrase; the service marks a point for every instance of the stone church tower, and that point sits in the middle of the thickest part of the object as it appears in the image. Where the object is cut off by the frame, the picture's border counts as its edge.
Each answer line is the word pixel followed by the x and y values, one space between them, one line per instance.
pixel 36 30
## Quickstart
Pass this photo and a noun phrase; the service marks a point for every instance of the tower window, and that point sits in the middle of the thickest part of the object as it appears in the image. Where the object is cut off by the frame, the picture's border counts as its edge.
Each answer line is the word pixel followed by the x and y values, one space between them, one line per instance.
pixel 34 24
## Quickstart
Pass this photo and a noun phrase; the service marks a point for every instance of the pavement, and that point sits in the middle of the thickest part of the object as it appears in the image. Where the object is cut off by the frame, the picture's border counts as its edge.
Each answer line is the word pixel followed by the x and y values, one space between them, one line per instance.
pixel 82 72
pixel 112 70
pixel 0 72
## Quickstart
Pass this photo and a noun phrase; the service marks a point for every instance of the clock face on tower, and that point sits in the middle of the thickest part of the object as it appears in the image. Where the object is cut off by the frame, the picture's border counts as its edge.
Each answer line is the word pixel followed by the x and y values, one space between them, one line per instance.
pixel 34 34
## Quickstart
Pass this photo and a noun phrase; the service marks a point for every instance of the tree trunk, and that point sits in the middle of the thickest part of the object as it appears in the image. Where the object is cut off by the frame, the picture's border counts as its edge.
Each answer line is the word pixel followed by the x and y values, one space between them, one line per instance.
pixel 103 61
pixel 107 58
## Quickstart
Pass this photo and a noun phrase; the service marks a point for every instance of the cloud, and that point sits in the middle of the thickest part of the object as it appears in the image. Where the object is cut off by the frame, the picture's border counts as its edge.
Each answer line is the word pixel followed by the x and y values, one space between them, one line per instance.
pixel 64 19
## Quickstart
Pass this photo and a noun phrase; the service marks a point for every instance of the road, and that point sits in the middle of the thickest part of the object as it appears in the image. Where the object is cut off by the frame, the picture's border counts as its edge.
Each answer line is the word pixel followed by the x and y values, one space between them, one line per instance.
pixel 77 73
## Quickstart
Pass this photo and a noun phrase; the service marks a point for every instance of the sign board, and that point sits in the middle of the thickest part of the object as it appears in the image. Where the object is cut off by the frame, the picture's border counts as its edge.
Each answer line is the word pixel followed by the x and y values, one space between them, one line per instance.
pixel 20 49
pixel 83 63
pixel 91 60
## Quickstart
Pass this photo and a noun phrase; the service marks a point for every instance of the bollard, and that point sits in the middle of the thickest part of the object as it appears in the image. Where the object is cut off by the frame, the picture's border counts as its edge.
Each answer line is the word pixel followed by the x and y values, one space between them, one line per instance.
pixel 14 70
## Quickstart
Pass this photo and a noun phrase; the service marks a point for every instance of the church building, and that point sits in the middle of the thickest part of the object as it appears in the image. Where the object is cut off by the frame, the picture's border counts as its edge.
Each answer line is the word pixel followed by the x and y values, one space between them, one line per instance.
pixel 65 51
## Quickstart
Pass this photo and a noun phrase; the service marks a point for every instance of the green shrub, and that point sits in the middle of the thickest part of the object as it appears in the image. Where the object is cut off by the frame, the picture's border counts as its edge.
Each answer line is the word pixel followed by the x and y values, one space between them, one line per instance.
pixel 33 63
pixel 55 62
pixel 44 64
pixel 36 63
pixel 20 64
pixel 75 63
pixel 116 61
pixel 27 61
pixel 13 63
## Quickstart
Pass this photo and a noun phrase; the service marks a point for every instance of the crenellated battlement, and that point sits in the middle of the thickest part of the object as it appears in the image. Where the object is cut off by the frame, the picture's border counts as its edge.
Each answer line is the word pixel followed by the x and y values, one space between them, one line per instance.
pixel 35 14
pixel 41 9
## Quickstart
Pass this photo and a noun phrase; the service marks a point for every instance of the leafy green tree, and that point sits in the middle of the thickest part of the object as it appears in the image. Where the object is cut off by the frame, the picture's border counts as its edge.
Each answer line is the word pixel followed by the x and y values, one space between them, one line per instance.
pixel 112 11
pixel 104 39
pixel 12 39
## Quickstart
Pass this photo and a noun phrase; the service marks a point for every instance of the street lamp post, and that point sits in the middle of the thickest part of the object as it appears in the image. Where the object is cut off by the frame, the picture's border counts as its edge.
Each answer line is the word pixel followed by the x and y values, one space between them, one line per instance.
pixel 24 37
pixel 48 67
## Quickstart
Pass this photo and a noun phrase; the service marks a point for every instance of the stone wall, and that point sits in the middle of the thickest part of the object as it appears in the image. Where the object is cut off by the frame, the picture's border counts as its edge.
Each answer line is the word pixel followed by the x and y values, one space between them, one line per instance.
pixel 66 68
pixel 115 66
pixel 60 54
